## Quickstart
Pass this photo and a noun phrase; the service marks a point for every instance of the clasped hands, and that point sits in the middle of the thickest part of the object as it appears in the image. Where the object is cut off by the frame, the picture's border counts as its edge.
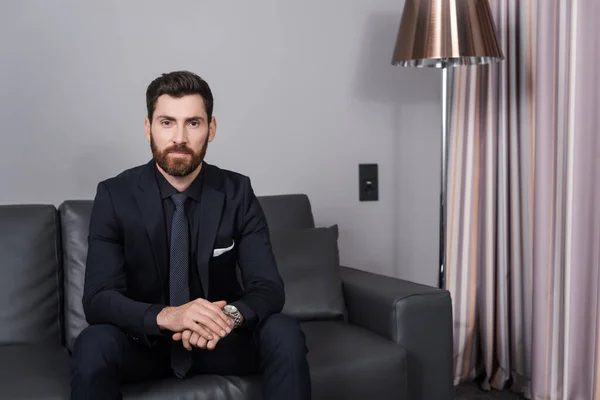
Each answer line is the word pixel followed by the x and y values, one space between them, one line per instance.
pixel 199 323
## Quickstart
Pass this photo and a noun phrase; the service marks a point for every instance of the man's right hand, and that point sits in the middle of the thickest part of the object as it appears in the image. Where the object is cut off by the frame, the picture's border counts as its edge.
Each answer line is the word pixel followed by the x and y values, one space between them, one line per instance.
pixel 200 316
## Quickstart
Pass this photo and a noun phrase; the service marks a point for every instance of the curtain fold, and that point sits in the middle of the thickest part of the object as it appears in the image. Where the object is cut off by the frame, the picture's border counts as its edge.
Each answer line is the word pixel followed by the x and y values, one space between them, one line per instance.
pixel 523 232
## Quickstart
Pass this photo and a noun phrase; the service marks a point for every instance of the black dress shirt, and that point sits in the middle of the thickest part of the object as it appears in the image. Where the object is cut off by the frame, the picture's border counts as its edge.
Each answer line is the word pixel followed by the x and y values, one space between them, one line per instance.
pixel 192 209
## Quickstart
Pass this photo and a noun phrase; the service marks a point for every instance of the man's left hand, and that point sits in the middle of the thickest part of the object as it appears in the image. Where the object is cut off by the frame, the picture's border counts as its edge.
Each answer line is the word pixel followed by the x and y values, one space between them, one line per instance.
pixel 191 338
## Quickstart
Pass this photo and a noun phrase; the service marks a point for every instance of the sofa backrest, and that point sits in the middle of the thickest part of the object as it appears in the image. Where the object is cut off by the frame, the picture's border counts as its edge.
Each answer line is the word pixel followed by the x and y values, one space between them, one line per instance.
pixel 75 219
pixel 282 211
pixel 30 274
pixel 287 211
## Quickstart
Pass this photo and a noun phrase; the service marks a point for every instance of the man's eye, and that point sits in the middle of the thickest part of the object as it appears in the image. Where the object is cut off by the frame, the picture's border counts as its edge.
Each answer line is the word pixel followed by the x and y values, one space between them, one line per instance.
pixel 166 123
pixel 195 123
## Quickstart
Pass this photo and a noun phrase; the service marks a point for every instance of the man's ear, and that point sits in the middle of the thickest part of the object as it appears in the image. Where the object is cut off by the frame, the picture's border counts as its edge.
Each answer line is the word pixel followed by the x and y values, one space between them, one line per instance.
pixel 147 128
pixel 212 129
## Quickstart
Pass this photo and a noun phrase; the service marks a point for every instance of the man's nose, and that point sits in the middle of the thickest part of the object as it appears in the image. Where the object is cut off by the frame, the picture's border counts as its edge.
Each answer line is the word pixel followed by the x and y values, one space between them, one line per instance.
pixel 180 135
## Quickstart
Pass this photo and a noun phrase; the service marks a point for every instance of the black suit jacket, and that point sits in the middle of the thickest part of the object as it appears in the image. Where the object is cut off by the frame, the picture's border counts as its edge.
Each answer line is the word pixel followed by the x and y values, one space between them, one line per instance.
pixel 126 278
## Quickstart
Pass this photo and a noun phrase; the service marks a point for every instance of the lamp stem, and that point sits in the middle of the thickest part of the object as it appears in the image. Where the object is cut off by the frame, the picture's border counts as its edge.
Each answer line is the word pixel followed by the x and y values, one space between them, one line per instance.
pixel 444 179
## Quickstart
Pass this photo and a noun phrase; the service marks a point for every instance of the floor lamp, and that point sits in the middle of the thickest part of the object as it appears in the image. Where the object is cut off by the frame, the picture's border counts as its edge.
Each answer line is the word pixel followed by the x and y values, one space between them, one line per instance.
pixel 442 34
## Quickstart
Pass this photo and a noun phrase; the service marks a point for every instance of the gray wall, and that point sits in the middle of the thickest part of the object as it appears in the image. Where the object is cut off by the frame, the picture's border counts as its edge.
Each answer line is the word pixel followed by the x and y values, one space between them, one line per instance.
pixel 304 92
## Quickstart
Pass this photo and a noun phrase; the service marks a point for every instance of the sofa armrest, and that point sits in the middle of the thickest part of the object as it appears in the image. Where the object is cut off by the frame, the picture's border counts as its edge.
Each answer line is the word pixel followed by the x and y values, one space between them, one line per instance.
pixel 417 317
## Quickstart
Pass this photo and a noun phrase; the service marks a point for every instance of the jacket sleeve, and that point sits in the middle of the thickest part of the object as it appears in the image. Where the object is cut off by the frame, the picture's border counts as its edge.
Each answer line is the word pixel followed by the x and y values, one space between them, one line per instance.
pixel 104 293
pixel 264 288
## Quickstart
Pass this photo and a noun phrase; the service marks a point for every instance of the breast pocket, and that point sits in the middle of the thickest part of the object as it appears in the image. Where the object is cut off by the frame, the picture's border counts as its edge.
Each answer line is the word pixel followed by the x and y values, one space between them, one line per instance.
pixel 226 249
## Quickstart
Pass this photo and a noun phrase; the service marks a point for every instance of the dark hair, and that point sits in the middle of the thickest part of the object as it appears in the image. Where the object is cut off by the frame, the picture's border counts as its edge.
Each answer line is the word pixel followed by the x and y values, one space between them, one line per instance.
pixel 178 84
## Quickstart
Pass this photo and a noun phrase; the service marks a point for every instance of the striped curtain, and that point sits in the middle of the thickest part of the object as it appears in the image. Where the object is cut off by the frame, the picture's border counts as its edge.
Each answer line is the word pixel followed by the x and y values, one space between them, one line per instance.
pixel 523 231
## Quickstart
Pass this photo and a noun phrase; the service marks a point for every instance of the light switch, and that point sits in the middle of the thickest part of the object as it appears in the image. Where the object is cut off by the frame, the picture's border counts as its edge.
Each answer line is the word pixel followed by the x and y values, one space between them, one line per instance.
pixel 368 184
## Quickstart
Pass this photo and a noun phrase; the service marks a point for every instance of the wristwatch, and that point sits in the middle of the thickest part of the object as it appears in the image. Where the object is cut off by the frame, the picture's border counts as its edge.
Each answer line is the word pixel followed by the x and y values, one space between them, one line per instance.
pixel 234 313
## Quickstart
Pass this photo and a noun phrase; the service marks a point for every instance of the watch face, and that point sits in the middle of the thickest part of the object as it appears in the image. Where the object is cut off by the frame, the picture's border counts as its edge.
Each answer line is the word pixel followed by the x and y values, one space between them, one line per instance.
pixel 229 308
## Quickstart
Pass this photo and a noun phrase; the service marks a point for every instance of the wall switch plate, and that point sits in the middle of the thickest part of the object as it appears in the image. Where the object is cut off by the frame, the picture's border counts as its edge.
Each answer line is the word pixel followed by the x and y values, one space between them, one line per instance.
pixel 368 185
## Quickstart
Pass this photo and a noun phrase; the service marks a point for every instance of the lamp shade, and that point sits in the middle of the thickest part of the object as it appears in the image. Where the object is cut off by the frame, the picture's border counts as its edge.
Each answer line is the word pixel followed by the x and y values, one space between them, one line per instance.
pixel 444 33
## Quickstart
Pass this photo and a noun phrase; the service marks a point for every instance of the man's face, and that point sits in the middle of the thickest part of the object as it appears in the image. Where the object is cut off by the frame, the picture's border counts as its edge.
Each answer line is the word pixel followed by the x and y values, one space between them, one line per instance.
pixel 179 133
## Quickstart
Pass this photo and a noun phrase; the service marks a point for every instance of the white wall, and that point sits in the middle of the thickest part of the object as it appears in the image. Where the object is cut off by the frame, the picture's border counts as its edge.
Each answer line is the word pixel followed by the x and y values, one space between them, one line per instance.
pixel 304 92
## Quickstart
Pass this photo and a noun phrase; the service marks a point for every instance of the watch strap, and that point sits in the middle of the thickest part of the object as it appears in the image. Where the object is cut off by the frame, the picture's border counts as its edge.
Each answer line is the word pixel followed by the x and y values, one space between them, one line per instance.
pixel 236 316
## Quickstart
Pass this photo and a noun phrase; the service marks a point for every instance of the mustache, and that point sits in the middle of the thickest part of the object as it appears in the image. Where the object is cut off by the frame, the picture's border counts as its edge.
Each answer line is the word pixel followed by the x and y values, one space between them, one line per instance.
pixel 179 148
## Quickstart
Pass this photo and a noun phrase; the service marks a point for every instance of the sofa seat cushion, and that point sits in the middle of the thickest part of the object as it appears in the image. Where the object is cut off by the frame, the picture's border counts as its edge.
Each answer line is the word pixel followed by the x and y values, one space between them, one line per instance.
pixel 34 372
pixel 346 362
pixel 349 362
pixel 196 388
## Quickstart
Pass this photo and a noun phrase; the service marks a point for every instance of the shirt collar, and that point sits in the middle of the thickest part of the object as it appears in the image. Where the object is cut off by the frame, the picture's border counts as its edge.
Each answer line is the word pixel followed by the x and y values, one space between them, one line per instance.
pixel 194 191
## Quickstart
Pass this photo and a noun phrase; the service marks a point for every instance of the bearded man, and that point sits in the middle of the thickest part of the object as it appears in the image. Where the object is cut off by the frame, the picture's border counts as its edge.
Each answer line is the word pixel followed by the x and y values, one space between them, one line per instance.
pixel 162 295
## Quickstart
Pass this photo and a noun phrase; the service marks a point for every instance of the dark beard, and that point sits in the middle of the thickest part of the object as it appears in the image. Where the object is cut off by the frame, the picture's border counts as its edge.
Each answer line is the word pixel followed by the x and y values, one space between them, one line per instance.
pixel 178 167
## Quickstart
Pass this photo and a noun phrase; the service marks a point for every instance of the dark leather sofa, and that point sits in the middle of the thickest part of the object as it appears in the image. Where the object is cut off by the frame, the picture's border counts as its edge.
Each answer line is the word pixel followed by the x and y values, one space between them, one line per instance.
pixel 393 341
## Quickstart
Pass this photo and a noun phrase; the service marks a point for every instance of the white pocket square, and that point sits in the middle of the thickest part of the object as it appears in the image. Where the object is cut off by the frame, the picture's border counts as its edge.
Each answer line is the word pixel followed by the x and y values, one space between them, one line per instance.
pixel 218 252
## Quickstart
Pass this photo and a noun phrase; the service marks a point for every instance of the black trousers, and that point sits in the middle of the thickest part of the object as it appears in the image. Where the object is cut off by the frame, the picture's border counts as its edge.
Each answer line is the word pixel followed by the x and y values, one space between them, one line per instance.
pixel 104 357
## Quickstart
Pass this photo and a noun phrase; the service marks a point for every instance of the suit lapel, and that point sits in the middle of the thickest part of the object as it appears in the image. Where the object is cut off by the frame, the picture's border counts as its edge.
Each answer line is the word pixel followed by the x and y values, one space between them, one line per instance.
pixel 148 199
pixel 211 208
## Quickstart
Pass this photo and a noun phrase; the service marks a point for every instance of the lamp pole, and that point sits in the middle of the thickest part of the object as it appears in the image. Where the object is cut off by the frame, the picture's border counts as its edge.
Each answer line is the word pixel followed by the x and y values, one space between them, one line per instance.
pixel 444 179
